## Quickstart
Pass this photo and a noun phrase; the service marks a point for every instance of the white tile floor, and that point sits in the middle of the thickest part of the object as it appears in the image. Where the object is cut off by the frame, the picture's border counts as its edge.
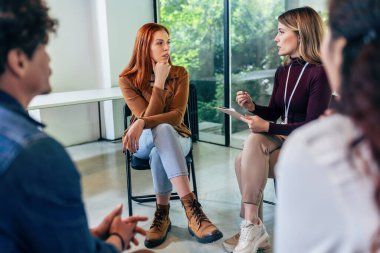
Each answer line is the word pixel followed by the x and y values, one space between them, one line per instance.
pixel 102 167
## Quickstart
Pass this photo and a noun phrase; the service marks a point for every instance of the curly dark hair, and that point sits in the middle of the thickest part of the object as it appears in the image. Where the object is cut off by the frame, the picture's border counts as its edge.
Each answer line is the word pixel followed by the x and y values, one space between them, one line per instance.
pixel 24 24
pixel 359 23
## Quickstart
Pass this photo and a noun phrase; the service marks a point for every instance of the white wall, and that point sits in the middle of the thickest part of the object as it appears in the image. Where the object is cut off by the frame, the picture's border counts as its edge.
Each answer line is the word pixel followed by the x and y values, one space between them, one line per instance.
pixel 86 53
pixel 73 49
pixel 124 18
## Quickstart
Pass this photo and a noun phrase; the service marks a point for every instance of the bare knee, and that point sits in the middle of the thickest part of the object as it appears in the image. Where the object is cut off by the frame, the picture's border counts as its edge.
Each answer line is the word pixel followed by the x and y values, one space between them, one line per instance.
pixel 238 163
pixel 254 139
pixel 255 143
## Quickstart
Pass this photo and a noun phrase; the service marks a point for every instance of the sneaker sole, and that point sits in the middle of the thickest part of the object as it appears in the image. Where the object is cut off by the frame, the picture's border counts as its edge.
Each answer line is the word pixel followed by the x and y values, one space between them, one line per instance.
pixel 228 247
pixel 264 246
pixel 154 243
pixel 208 238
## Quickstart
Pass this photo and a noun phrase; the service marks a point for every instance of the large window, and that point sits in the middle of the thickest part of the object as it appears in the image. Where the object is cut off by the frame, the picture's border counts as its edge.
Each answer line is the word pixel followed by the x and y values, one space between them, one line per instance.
pixel 254 55
pixel 198 35
pixel 196 28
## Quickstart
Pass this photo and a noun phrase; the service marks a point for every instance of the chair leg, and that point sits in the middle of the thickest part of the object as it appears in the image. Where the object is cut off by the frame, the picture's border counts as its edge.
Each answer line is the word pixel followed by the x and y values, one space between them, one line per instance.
pixel 152 198
pixel 275 185
pixel 192 169
pixel 129 183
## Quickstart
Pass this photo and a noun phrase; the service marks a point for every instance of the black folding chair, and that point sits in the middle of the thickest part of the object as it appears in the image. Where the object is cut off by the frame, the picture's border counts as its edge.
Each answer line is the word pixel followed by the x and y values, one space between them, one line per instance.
pixel 133 162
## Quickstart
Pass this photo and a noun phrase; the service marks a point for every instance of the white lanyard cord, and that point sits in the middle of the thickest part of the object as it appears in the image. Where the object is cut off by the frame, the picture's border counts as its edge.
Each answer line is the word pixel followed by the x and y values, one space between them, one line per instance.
pixel 294 89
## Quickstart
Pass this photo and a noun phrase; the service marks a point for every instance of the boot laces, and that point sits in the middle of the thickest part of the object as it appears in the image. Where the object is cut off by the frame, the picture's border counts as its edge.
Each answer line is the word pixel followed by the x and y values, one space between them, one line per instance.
pixel 159 216
pixel 196 211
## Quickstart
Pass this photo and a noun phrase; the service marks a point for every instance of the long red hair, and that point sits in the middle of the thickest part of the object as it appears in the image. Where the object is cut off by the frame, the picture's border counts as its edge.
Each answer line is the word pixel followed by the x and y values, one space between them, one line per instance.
pixel 140 66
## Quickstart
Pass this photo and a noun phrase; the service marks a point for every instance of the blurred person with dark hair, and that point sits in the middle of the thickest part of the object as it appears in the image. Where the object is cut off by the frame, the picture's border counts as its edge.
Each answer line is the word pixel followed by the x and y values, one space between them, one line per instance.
pixel 40 193
pixel 300 94
pixel 328 172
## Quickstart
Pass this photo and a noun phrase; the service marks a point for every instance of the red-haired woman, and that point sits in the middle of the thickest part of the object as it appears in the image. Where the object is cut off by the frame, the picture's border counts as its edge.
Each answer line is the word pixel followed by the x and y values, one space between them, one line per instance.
pixel 157 93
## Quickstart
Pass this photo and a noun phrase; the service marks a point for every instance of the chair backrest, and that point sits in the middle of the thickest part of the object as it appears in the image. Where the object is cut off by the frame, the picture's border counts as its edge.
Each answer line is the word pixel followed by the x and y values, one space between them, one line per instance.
pixel 126 112
pixel 192 110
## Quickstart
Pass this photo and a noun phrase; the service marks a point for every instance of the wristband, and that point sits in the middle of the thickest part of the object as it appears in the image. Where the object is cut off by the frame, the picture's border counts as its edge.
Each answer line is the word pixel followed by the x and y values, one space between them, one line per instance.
pixel 121 240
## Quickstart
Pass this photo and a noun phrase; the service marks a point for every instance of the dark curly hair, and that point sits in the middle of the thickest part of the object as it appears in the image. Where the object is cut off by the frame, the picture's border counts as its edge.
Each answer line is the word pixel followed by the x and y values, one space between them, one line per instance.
pixel 24 24
pixel 359 23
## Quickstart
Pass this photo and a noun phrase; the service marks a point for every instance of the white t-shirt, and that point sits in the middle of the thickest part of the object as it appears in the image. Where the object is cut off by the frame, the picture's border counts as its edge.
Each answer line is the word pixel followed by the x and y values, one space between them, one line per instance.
pixel 325 195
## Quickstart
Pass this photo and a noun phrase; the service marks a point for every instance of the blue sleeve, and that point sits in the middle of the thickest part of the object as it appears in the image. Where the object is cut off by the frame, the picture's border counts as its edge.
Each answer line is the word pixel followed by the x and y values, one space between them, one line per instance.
pixel 45 208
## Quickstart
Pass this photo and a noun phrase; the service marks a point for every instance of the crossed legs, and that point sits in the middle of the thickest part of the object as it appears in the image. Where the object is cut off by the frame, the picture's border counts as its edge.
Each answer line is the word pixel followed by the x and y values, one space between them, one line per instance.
pixel 168 163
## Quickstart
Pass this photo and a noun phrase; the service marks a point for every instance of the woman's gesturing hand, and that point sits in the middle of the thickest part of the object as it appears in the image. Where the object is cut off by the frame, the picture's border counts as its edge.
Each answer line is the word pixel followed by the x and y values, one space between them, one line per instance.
pixel 256 124
pixel 132 135
pixel 244 100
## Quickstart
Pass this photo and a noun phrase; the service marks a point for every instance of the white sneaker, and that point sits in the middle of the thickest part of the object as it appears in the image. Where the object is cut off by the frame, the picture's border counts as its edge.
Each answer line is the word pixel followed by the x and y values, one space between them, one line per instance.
pixel 252 237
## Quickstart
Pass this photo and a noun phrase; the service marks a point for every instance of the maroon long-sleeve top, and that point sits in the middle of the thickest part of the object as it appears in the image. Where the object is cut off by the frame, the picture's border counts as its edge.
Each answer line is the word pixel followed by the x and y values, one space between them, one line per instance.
pixel 311 97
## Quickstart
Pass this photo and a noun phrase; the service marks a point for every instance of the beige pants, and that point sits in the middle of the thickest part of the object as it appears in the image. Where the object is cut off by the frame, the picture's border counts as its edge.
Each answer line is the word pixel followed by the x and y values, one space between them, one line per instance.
pixel 255 164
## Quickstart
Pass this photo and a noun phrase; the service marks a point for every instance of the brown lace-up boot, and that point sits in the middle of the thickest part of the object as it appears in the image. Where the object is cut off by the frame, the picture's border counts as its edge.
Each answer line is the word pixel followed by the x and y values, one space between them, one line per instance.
pixel 160 227
pixel 199 225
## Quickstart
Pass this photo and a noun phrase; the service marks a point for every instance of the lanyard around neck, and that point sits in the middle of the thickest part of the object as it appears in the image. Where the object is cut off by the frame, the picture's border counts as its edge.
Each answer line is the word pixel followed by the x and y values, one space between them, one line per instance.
pixel 294 89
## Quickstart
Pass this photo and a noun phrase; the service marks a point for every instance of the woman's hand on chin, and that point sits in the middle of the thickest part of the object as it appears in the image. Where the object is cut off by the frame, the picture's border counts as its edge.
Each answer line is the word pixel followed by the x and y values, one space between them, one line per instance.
pixel 161 72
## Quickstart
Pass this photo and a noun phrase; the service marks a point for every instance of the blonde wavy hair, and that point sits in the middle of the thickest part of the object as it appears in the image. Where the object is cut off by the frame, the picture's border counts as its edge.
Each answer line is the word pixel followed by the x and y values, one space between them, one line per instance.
pixel 308 25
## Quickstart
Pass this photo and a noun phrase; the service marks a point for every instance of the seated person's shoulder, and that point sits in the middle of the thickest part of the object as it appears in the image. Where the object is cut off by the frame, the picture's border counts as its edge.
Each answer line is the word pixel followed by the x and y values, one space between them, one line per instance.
pixel 336 125
pixel 326 139
pixel 44 156
pixel 16 135
pixel 124 80
pixel 178 71
pixel 42 163
pixel 318 70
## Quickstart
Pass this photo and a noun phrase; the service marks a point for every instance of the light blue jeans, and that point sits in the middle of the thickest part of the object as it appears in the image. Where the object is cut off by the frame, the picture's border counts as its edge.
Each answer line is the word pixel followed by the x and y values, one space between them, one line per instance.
pixel 166 150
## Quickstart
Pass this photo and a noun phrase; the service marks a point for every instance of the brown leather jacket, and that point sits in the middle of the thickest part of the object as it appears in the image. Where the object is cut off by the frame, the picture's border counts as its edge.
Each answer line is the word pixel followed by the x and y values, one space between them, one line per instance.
pixel 156 106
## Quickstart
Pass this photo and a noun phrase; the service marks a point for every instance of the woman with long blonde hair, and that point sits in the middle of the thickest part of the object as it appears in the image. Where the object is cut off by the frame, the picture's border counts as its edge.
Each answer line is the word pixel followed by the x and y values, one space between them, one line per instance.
pixel 300 94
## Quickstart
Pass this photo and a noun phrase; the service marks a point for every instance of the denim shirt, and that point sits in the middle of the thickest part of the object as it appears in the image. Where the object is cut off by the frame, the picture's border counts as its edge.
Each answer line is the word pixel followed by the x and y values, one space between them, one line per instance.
pixel 41 207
